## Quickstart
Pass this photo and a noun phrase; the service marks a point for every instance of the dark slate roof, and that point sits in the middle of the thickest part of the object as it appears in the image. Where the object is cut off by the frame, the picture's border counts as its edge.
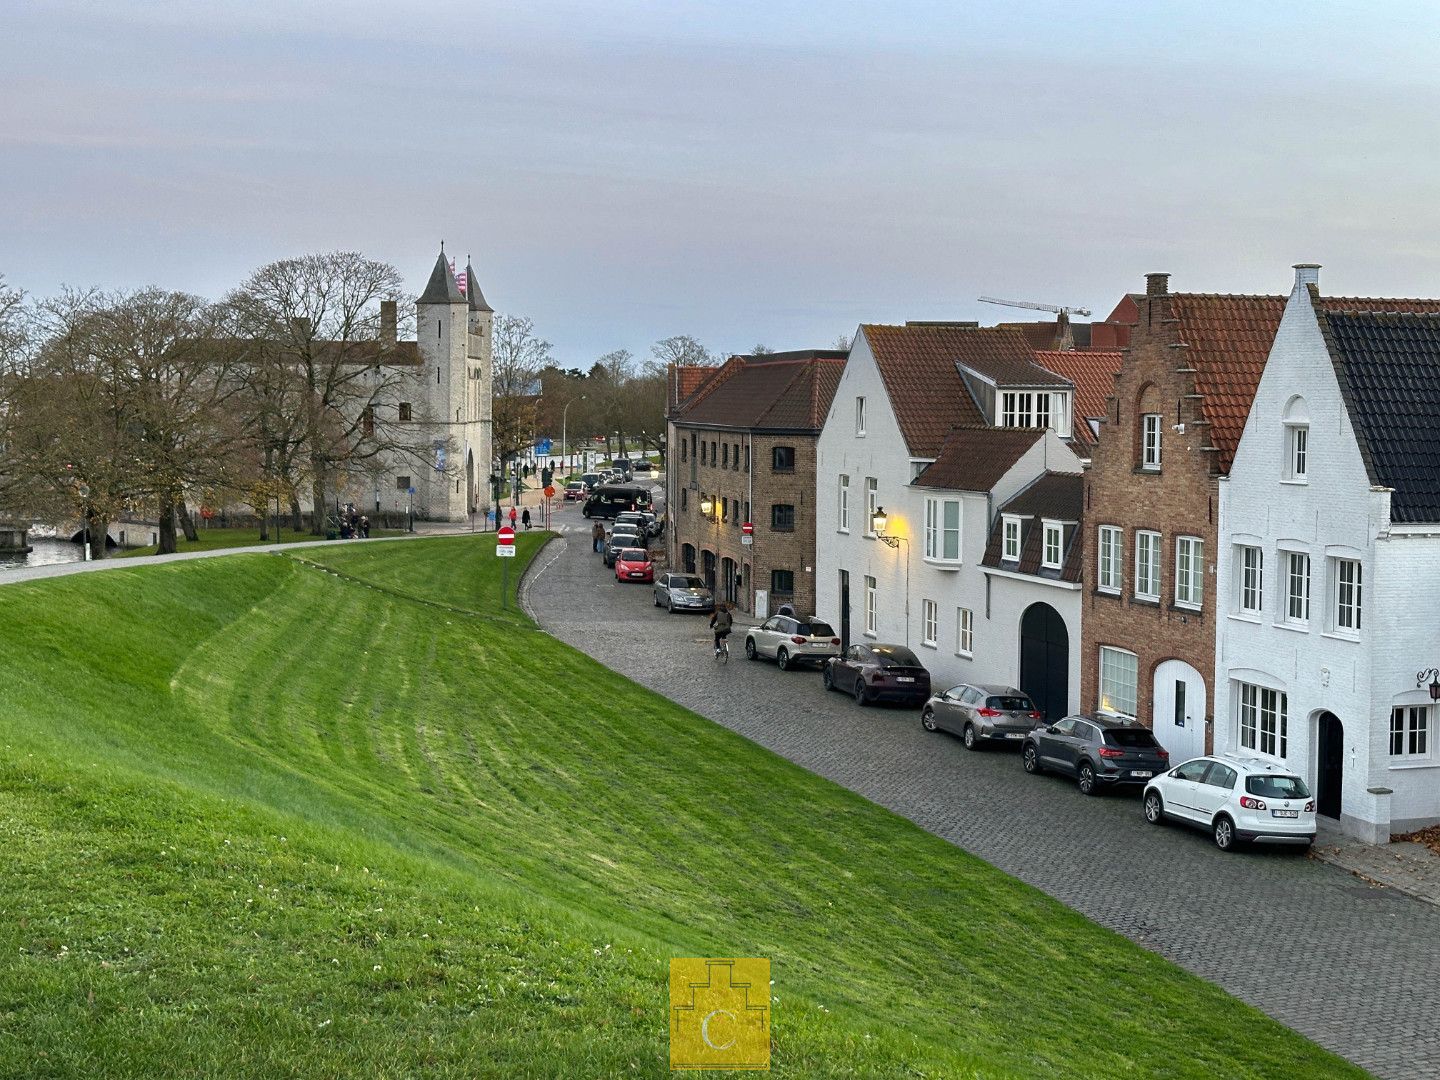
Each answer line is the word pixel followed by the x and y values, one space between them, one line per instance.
pixel 791 393
pixel 1389 370
pixel 974 457
pixel 441 288
pixel 1058 497
pixel 472 290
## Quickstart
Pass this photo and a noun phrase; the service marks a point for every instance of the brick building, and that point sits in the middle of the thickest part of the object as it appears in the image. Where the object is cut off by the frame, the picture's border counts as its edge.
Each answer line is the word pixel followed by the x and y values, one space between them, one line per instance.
pixel 743 450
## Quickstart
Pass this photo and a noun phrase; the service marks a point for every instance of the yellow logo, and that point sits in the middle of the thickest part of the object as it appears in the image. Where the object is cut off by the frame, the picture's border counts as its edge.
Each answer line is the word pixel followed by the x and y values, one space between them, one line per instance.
pixel 720 1014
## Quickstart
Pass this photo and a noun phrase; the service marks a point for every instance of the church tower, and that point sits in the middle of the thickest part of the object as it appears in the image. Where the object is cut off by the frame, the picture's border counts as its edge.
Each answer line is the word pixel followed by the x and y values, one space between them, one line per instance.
pixel 480 363
pixel 441 333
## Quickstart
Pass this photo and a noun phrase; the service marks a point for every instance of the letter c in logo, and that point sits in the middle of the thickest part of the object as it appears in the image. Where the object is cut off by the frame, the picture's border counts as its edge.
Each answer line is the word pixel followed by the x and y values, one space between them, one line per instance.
pixel 705 1028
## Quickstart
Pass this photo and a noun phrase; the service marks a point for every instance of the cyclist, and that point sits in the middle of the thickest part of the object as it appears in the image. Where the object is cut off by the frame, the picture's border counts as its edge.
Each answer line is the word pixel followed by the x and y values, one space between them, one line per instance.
pixel 722 623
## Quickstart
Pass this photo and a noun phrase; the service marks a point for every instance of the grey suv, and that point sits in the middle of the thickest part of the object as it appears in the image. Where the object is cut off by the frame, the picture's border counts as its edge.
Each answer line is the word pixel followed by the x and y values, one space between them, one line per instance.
pixel 981 713
pixel 1097 751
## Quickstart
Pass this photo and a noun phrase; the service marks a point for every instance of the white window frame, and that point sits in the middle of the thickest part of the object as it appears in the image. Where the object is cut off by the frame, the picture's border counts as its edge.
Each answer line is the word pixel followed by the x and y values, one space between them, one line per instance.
pixel 869 606
pixel 1190 572
pixel 1060 413
pixel 1297 452
pixel 1110 560
pixel 929 623
pixel 860 417
pixel 964 632
pixel 938 533
pixel 1147 570
pixel 1297 599
pixel 872 501
pixel 1346 597
pixel 1151 426
pixel 1119 662
pixel 1264 725
pixel 1052 530
pixel 1411 725
pixel 844 503
pixel 1249 579
pixel 1010 538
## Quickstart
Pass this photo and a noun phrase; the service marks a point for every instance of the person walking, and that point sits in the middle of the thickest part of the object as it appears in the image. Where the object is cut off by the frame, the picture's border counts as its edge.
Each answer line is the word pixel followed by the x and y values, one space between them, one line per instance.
pixel 525 518
pixel 512 518
pixel 597 537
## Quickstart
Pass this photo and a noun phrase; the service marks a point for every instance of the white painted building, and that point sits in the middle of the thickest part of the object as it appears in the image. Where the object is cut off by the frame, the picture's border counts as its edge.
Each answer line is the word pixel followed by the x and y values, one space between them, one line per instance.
pixel 907 433
pixel 1328 569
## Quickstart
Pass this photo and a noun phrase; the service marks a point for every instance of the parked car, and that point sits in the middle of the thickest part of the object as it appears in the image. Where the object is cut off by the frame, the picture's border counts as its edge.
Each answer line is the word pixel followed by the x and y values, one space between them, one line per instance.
pixel 792 641
pixel 591 480
pixel 653 525
pixel 683 592
pixel 576 491
pixel 641 465
pixel 633 564
pixel 619 540
pixel 1238 798
pixel 982 713
pixel 638 518
pixel 878 673
pixel 1097 751
pixel 609 500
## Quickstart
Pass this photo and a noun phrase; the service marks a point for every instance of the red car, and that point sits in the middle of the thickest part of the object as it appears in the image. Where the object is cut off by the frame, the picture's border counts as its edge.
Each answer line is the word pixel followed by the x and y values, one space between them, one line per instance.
pixel 633 564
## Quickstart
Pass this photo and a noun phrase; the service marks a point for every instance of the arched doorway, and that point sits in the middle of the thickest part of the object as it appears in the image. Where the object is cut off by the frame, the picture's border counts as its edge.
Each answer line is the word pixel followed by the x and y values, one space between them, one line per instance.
pixel 1180 710
pixel 727 578
pixel 1045 660
pixel 687 558
pixel 1329 765
pixel 707 570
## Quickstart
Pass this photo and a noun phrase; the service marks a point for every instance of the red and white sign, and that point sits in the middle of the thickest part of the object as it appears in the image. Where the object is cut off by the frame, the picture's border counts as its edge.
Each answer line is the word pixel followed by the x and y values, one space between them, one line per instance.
pixel 505 542
pixel 747 529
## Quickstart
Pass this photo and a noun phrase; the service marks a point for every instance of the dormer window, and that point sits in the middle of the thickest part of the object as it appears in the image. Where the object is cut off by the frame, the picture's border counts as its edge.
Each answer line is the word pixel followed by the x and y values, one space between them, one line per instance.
pixel 1036 409
pixel 1054 546
pixel 1010 552
pixel 1297 441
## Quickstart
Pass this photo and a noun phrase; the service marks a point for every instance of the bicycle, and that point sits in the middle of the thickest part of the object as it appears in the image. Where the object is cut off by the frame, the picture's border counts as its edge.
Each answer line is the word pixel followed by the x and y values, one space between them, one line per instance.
pixel 722 651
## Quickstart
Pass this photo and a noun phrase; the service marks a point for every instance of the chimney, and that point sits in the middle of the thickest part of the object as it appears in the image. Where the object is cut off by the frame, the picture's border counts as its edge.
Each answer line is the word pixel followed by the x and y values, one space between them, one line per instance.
pixel 1306 274
pixel 388 322
pixel 1157 284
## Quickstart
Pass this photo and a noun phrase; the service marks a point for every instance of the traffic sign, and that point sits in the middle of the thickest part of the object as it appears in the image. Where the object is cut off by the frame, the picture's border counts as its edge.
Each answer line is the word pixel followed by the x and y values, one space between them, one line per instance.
pixel 550 492
pixel 747 529
pixel 747 540
pixel 505 542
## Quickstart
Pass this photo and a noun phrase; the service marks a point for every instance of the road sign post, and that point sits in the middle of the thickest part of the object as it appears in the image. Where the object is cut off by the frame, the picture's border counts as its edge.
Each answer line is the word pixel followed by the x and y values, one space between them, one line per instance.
pixel 747 534
pixel 504 549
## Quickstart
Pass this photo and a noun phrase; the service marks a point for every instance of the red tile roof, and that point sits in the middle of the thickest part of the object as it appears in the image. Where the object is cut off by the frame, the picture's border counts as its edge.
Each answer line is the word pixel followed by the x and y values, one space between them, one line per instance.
pixel 1093 375
pixel 917 364
pixel 685 381
pixel 767 393
pixel 975 457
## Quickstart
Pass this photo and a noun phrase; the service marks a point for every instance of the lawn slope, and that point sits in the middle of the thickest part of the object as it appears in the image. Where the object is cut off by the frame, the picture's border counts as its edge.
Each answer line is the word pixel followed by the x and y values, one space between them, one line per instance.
pixel 333 812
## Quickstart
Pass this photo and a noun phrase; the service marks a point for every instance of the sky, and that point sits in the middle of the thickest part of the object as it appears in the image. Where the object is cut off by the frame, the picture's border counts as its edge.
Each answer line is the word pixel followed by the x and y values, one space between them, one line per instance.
pixel 744 172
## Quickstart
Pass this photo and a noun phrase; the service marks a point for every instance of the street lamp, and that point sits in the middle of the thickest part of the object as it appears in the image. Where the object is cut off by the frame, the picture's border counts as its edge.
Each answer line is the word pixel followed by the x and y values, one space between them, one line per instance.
pixel 707 505
pixel 877 525
pixel 565 430
pixel 1433 674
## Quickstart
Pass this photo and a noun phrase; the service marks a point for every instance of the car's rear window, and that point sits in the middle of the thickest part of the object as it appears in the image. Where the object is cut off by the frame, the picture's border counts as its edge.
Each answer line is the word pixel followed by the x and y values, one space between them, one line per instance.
pixel 1277 787
pixel 1009 704
pixel 633 555
pixel 816 628
pixel 895 654
pixel 1132 737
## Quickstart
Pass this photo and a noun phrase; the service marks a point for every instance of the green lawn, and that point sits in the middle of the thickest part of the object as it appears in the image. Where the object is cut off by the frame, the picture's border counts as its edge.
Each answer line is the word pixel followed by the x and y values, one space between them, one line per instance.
pixel 262 820
pixel 214 539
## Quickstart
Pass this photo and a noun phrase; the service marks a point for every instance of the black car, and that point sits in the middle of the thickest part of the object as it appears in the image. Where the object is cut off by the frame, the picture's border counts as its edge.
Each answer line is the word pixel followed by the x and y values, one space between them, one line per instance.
pixel 1097 751
pixel 621 538
pixel 878 673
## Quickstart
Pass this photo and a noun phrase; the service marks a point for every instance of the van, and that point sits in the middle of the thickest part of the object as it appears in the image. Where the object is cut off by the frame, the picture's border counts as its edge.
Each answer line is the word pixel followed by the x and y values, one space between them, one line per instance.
pixel 609 500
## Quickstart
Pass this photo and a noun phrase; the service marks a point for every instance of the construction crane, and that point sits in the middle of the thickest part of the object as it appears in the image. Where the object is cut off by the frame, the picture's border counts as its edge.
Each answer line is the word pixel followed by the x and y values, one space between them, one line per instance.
pixel 1036 307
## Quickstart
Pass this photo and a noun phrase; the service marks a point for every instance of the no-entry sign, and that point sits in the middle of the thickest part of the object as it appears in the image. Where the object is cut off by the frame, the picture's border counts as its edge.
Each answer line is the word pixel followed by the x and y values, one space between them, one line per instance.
pixel 505 542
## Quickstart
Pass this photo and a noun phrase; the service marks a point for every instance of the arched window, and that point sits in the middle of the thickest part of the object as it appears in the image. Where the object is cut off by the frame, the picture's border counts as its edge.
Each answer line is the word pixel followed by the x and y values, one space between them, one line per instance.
pixel 1149 422
pixel 1297 441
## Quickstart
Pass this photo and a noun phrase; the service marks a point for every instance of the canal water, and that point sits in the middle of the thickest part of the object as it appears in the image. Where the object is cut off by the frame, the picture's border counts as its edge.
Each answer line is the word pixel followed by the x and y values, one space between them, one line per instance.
pixel 46 553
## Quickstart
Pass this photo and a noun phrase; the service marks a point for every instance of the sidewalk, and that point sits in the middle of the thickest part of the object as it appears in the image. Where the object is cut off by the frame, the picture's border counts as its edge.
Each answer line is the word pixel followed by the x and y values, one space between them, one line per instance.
pixel 1406 867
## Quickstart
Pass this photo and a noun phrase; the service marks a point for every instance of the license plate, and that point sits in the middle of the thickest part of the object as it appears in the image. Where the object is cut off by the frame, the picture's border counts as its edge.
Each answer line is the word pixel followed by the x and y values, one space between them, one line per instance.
pixel 637 575
pixel 904 678
pixel 1014 735
pixel 1286 813
pixel 1142 774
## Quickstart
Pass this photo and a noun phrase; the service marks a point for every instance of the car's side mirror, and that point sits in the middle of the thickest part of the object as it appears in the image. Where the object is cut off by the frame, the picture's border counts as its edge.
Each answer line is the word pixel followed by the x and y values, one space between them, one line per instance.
pixel 1050 729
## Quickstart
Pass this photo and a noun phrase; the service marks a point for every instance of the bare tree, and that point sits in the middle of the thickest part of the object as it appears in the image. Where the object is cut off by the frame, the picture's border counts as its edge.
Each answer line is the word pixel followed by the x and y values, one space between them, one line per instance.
pixel 682 350
pixel 317 352
pixel 518 357
pixel 843 342
pixel 761 350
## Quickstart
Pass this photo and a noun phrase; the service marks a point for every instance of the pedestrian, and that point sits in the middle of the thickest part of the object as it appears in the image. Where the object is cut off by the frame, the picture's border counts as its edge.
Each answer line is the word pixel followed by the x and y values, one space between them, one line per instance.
pixel 525 518
pixel 512 517
pixel 597 537
pixel 364 526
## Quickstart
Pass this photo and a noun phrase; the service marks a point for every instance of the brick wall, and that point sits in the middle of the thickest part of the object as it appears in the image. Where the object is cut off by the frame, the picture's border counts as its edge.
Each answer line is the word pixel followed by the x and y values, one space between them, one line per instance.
pixel 1180 499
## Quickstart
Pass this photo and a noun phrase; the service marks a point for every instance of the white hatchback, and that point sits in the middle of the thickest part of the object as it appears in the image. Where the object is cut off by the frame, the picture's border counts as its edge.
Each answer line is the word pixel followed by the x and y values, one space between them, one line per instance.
pixel 1238 798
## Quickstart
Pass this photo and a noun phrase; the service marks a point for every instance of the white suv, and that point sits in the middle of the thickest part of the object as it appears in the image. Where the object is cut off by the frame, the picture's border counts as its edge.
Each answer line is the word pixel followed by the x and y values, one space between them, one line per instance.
pixel 1237 798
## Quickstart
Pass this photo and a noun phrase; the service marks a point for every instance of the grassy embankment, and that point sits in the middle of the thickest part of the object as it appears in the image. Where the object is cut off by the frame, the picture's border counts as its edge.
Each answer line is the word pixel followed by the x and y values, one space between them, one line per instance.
pixel 215 539
pixel 263 820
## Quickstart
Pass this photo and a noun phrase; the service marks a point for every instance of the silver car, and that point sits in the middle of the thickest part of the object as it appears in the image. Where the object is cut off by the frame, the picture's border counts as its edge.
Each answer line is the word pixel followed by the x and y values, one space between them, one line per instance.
pixel 982 713
pixel 792 641
pixel 683 592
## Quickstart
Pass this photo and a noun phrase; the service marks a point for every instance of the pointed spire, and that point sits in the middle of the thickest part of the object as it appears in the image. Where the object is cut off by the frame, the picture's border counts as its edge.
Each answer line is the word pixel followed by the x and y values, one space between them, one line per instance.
pixel 472 286
pixel 441 289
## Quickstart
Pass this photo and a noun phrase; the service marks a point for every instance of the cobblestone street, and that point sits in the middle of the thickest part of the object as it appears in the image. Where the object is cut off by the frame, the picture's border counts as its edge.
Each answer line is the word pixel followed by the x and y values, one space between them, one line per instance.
pixel 1352 966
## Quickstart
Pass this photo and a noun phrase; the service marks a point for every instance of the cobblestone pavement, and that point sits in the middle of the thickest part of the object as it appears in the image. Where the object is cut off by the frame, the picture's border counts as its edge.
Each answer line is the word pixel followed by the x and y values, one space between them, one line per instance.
pixel 1352 966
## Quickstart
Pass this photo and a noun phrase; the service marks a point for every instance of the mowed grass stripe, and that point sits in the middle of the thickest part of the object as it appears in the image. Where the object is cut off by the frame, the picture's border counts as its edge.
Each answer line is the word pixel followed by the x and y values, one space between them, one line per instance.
pixel 436 893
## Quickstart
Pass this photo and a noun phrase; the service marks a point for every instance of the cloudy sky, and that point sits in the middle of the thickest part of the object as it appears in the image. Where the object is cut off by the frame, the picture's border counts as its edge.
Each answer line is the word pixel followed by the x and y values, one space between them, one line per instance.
pixel 742 171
